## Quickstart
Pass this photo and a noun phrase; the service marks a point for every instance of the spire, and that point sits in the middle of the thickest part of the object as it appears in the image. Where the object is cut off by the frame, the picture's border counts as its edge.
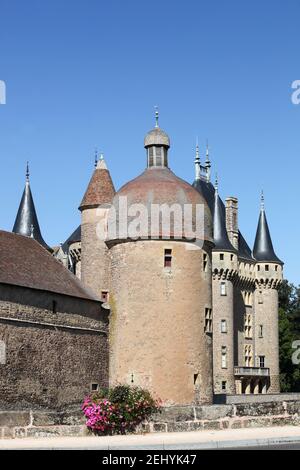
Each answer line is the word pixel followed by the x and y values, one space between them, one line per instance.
pixel 26 222
pixel 207 163
pixel 263 247
pixel 221 239
pixel 100 189
pixel 197 162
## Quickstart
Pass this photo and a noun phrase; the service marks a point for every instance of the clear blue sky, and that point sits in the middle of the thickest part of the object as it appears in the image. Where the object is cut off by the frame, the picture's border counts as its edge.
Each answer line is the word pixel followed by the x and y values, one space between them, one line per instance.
pixel 82 74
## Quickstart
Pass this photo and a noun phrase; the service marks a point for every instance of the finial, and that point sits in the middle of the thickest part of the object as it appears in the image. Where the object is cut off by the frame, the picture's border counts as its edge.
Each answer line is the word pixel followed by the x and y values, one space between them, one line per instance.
pixel 96 158
pixel 156 116
pixel 27 172
pixel 101 156
pixel 197 162
pixel 207 163
pixel 197 151
pixel 262 200
pixel 207 152
pixel 31 231
pixel 217 183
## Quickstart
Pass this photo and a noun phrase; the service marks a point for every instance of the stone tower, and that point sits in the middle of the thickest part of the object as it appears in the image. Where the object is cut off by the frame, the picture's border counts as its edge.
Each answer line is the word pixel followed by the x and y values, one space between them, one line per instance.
pixel 160 293
pixel 268 279
pixel 224 270
pixel 26 222
pixel 94 209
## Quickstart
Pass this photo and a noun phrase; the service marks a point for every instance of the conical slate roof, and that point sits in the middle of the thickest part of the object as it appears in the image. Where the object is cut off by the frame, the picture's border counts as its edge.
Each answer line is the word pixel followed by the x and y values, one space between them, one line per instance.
pixel 26 222
pixel 100 189
pixel 221 239
pixel 208 191
pixel 263 247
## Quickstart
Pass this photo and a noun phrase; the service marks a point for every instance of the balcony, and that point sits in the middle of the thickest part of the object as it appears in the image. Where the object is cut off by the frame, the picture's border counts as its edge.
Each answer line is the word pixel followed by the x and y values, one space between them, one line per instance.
pixel 252 371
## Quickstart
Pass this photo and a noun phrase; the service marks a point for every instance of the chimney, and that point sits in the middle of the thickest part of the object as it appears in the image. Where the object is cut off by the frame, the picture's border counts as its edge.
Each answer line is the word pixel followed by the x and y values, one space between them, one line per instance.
pixel 232 225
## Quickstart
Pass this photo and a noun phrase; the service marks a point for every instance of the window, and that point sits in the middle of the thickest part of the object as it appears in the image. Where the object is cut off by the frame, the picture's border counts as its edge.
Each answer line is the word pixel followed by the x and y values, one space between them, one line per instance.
pixel 158 156
pixel 94 387
pixel 258 268
pixel 223 326
pixel 276 268
pixel 248 355
pixel 224 385
pixel 261 361
pixel 104 296
pixel 248 325
pixel 261 331
pixel 54 306
pixel 168 258
pixel 231 257
pixel 221 256
pixel 223 288
pixel 208 320
pixel 267 267
pixel 224 357
pixel 204 262
pixel 2 352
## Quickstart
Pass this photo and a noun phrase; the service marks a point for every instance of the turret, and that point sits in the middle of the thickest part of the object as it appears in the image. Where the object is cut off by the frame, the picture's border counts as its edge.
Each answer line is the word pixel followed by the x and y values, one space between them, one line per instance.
pixel 268 279
pixel 26 222
pixel 94 210
pixel 224 269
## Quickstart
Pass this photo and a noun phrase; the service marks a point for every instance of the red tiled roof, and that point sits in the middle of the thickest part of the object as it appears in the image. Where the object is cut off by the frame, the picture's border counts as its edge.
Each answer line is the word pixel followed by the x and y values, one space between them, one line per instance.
pixel 24 262
pixel 100 190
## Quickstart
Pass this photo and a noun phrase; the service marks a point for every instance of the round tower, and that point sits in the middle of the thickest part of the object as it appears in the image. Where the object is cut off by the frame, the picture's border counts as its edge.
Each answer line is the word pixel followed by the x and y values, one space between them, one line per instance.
pixel 268 279
pixel 94 210
pixel 160 293
pixel 224 267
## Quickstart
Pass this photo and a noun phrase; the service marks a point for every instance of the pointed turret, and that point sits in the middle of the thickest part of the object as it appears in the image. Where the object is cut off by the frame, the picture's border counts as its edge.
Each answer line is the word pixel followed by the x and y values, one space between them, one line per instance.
pixel 263 247
pixel 26 222
pixel 221 239
pixel 100 189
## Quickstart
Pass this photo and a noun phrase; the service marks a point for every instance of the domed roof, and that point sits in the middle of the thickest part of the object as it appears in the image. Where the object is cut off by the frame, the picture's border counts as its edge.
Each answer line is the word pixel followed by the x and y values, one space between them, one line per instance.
pixel 158 186
pixel 157 137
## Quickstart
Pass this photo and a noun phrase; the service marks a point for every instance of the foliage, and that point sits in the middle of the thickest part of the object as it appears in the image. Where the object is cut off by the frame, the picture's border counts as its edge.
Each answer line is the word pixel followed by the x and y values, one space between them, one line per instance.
pixel 118 410
pixel 289 331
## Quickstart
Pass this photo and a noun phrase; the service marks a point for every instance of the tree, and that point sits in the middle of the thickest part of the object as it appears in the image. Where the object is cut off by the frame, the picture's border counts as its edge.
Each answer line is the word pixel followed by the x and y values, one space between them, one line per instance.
pixel 289 331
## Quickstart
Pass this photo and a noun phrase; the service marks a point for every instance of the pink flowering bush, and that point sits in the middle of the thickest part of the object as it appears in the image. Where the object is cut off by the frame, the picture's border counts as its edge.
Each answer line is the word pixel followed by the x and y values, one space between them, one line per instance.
pixel 118 410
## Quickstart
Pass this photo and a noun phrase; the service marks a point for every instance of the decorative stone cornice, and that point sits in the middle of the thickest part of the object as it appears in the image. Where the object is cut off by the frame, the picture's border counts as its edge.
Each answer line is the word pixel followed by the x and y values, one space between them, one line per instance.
pixel 225 274
pixel 245 282
pixel 268 283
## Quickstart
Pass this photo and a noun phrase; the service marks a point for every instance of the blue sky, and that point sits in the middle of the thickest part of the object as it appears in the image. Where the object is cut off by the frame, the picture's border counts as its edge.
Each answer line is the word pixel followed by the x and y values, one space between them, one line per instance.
pixel 85 74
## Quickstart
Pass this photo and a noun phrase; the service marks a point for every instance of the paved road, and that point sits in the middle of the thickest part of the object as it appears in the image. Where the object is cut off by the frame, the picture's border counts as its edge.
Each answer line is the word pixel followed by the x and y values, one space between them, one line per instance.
pixel 271 447
pixel 250 438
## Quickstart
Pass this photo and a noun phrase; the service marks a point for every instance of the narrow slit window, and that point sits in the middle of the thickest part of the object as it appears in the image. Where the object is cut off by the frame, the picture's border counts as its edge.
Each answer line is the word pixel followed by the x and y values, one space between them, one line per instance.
pixel 223 326
pixel 204 262
pixel 224 357
pixel 54 306
pixel 104 296
pixel 168 258
pixel 223 288
pixel 208 320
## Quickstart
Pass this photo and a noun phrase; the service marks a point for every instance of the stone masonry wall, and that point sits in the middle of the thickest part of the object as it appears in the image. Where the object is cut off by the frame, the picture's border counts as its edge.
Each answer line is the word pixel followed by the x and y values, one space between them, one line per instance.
pixel 50 353
pixel 70 422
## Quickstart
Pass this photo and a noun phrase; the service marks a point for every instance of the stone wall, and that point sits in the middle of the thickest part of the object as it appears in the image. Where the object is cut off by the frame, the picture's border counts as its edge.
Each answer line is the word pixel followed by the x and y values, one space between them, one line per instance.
pixel 70 421
pixel 53 348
